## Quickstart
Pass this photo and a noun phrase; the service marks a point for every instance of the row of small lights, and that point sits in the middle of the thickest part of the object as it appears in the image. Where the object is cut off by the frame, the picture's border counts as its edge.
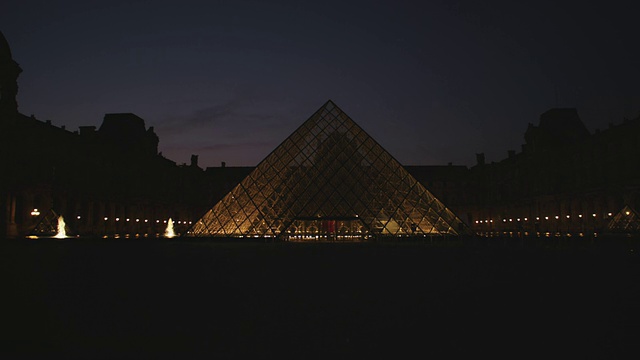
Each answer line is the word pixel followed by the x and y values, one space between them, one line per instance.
pixel 35 212
pixel 538 218
pixel 145 220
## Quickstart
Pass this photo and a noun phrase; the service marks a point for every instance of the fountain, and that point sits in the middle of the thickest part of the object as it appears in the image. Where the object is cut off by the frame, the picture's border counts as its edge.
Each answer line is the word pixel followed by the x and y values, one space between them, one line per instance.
pixel 169 231
pixel 62 233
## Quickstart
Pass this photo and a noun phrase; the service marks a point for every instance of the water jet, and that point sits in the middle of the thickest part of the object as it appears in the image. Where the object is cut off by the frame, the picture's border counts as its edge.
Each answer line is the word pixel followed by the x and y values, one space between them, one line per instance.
pixel 62 233
pixel 169 233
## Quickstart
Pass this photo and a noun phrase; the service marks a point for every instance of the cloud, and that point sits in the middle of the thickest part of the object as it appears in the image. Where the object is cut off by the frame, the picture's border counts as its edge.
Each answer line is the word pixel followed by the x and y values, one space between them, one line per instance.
pixel 223 146
pixel 232 116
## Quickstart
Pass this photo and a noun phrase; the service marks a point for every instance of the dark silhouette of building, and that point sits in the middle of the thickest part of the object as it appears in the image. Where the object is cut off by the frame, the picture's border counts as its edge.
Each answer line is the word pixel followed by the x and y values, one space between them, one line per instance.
pixel 9 72
pixel 565 179
pixel 128 134
pixel 106 181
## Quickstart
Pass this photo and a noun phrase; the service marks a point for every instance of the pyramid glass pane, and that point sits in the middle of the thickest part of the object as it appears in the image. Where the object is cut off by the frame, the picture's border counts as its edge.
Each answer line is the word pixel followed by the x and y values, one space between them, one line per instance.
pixel 329 180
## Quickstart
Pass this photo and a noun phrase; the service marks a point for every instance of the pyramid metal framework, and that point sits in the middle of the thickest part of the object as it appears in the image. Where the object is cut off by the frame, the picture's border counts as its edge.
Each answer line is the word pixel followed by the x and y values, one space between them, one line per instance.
pixel 626 220
pixel 329 180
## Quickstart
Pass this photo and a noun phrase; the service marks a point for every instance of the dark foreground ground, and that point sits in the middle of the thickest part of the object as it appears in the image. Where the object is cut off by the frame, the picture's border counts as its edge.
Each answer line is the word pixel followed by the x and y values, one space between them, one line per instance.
pixel 507 298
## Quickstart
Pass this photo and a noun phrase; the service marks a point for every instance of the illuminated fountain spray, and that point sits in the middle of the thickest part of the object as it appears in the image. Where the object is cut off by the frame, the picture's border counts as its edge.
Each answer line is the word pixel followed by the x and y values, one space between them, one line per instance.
pixel 169 231
pixel 62 233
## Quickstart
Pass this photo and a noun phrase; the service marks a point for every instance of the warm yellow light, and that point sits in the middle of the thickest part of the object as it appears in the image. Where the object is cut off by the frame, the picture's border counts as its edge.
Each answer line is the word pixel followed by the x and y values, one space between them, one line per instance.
pixel 127 219
pixel 105 219
pixel 35 212
pixel 609 214
pixel 580 215
pixel 546 218
pixel 117 219
pixel 568 216
pixel 594 215
pixel 557 217
pixel 627 212
pixel 137 220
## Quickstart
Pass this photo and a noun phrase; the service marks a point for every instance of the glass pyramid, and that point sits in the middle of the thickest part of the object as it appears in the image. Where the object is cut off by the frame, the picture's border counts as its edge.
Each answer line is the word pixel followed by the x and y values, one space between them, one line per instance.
pixel 626 220
pixel 329 180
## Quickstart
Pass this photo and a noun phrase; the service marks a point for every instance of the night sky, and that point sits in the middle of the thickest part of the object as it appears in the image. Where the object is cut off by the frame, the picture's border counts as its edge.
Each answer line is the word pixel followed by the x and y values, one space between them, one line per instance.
pixel 433 82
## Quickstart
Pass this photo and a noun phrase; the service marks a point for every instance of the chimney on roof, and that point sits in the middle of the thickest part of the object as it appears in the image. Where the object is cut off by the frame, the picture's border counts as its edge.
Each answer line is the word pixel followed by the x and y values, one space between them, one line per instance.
pixel 480 159
pixel 194 160
pixel 223 164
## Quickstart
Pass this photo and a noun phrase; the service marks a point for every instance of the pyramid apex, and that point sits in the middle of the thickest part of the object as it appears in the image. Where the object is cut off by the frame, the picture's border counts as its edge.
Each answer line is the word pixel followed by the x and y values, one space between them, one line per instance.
pixel 329 104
